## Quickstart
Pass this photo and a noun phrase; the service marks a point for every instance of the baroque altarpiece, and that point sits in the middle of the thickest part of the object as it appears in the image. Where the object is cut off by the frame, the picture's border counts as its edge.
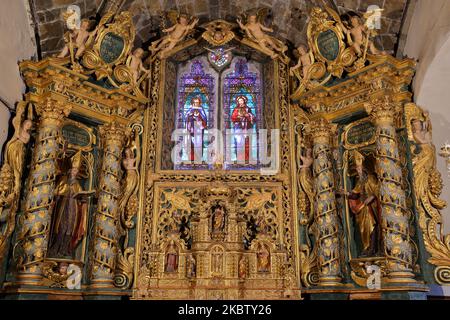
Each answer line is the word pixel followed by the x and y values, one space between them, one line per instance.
pixel 218 168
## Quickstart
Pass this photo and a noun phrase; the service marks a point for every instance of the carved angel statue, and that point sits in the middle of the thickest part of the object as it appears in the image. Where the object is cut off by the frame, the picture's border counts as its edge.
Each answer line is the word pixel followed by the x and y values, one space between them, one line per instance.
pixel 130 163
pixel 425 160
pixel 175 34
pixel 358 36
pixel 136 65
pixel 11 174
pixel 256 32
pixel 78 33
pixel 305 60
pixel 57 273
pixel 306 183
pixel 218 32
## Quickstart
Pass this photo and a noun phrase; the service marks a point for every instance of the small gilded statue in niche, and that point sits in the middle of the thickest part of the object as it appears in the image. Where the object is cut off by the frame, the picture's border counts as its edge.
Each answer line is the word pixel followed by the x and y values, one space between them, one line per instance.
pixel 263 258
pixel 191 266
pixel 256 32
pixel 305 60
pixel 78 33
pixel 175 34
pixel 364 203
pixel 218 219
pixel 242 268
pixel 136 65
pixel 70 214
pixel 171 257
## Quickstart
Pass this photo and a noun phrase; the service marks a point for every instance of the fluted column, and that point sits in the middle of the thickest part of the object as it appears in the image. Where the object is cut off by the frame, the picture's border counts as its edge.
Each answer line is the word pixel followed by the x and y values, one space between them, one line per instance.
pixel 394 215
pixel 326 217
pixel 35 223
pixel 107 216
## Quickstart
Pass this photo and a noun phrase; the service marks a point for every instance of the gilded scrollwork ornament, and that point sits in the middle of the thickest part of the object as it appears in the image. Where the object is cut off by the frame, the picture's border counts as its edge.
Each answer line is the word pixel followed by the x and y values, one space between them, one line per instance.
pixel 428 187
pixel 218 32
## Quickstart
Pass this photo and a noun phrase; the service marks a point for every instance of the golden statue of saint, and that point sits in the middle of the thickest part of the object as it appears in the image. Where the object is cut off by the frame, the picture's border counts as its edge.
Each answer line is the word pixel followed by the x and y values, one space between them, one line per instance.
pixel 11 175
pixel 218 219
pixel 425 160
pixel 172 258
pixel 69 218
pixel 263 258
pixel 364 204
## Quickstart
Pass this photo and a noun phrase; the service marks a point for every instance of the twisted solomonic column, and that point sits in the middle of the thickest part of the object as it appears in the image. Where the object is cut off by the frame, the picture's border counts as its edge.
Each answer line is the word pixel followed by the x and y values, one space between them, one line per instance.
pixel 326 216
pixel 394 215
pixel 106 235
pixel 35 222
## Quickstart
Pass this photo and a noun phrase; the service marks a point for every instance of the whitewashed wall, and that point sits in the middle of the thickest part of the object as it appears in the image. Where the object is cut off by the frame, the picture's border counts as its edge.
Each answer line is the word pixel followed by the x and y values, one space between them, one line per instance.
pixel 16 44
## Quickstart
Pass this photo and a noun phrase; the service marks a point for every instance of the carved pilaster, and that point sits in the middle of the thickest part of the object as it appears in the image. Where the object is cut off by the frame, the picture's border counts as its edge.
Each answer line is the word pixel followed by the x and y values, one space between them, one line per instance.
pixel 107 216
pixel 35 223
pixel 326 217
pixel 394 215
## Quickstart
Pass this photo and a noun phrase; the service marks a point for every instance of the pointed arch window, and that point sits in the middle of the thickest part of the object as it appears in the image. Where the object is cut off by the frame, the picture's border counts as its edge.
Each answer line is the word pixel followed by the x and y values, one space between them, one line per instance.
pixel 230 101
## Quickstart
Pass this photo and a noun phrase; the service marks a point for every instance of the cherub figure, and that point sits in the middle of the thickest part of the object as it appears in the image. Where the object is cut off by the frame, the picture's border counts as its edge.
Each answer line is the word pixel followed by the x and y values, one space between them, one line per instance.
pixel 255 30
pixel 356 33
pixel 218 32
pixel 78 33
pixel 175 35
pixel 136 65
pixel 305 60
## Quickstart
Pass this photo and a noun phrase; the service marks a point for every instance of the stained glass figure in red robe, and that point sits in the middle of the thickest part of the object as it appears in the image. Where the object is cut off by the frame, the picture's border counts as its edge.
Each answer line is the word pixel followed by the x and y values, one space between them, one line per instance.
pixel 243 120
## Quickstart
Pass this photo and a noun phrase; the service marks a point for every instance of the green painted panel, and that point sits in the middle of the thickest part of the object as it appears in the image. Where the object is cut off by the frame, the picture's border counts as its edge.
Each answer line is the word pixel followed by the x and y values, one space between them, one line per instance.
pixel 111 47
pixel 328 45
pixel 76 136
pixel 361 133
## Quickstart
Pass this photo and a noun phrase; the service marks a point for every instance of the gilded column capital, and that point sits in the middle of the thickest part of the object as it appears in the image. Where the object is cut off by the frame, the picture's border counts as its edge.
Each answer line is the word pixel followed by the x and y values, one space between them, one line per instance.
pixel 53 111
pixel 113 131
pixel 382 110
pixel 321 130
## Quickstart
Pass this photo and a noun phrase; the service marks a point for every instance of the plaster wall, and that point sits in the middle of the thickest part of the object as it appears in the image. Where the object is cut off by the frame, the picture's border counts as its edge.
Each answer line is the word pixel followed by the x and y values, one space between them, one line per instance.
pixel 16 44
pixel 428 42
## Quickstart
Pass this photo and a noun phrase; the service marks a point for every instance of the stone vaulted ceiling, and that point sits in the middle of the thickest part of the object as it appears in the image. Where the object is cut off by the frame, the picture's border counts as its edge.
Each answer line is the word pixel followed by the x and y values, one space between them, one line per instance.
pixel 289 17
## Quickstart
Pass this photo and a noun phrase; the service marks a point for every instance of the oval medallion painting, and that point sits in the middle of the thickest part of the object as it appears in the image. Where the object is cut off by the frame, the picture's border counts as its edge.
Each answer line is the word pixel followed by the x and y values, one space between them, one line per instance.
pixel 328 45
pixel 111 47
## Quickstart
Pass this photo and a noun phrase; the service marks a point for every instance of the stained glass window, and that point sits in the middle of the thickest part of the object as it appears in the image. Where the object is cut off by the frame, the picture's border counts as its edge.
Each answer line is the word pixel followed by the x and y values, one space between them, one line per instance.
pixel 209 100
pixel 196 115
pixel 242 114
